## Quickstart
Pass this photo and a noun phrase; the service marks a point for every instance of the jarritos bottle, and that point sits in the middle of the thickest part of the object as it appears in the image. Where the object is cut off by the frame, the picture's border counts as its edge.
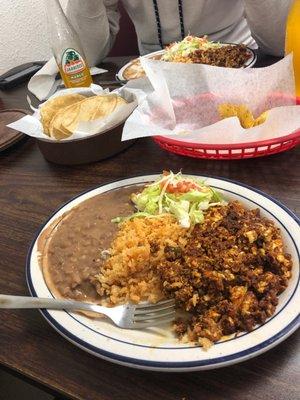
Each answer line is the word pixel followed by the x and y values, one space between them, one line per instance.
pixel 67 48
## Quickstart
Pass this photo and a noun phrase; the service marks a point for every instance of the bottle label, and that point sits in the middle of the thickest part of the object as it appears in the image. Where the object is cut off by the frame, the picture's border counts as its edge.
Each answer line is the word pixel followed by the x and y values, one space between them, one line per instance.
pixel 72 63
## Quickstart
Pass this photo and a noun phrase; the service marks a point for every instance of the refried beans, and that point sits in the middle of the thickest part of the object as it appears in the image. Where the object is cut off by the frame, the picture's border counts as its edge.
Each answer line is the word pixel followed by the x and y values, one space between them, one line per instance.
pixel 71 247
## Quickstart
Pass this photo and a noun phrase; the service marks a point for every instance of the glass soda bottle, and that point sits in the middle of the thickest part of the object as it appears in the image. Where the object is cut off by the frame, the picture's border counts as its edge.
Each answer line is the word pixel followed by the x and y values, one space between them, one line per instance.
pixel 66 47
pixel 292 40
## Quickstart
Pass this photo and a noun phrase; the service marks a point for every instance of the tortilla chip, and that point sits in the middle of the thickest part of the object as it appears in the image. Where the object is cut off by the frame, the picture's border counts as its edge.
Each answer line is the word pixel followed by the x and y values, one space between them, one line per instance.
pixel 52 106
pixel 65 122
pixel 243 113
pixel 261 119
pixel 234 110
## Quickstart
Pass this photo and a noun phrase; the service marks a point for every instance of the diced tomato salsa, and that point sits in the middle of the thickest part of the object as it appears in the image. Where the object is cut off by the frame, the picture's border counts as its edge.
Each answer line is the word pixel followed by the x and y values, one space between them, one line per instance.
pixel 183 186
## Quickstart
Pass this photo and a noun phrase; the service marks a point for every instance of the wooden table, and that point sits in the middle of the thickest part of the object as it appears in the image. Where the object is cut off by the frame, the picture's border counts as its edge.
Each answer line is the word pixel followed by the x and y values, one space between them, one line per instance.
pixel 31 189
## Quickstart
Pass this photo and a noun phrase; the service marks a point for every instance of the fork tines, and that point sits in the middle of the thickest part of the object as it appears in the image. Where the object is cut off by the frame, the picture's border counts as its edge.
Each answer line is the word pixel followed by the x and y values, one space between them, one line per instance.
pixel 155 307
pixel 154 314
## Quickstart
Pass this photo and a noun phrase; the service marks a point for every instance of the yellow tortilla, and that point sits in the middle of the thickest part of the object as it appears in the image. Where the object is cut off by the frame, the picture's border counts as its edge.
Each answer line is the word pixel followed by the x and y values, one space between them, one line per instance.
pixel 65 122
pixel 51 107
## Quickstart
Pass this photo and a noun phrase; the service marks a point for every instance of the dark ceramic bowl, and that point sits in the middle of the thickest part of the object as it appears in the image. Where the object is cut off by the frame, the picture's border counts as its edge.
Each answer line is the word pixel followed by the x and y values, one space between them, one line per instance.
pixel 85 150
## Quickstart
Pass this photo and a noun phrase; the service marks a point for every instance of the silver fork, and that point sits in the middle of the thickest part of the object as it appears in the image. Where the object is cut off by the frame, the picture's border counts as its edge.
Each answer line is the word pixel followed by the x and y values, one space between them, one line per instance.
pixel 128 316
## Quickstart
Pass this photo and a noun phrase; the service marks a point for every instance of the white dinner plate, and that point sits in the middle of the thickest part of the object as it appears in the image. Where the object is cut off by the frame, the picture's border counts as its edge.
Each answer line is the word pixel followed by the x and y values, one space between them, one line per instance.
pixel 157 348
pixel 119 76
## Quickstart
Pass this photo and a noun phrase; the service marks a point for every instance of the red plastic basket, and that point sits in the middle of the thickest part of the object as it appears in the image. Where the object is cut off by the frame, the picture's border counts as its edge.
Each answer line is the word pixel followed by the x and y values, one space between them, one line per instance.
pixel 230 151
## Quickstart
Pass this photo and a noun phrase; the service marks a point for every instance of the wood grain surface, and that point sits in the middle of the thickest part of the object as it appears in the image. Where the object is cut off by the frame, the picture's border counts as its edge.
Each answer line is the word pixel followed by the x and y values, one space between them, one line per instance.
pixel 31 189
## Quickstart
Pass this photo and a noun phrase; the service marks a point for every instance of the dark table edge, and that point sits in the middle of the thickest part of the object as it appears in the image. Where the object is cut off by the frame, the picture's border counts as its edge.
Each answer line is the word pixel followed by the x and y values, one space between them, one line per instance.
pixel 34 382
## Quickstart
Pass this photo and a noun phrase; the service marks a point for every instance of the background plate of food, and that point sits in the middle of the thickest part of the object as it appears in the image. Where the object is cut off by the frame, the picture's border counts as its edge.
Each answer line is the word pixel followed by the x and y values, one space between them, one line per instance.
pixel 227 253
pixel 194 50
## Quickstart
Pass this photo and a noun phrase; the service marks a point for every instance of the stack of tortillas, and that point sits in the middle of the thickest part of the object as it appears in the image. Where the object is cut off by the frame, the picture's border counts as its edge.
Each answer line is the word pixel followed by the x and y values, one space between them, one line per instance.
pixel 60 116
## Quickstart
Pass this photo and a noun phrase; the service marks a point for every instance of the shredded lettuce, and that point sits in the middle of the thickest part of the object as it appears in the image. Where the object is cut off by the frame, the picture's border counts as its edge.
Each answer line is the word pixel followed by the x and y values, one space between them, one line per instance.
pixel 187 46
pixel 182 196
pixel 181 210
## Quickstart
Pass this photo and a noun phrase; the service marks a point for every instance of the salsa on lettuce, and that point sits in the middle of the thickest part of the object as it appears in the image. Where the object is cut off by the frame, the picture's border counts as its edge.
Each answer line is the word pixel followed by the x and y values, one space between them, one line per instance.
pixel 184 197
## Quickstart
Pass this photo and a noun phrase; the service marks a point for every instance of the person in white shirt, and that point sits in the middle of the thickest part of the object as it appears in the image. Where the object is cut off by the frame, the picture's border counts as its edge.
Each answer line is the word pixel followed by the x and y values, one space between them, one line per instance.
pixel 160 22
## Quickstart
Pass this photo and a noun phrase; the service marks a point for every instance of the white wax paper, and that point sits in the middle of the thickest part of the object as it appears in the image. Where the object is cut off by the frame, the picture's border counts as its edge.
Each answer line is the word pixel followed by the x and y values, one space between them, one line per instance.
pixel 184 103
pixel 31 125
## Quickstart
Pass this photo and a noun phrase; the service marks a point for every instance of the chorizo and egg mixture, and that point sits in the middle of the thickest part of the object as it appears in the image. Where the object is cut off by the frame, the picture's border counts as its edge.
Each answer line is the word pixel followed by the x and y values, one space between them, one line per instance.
pixel 224 265
pixel 228 275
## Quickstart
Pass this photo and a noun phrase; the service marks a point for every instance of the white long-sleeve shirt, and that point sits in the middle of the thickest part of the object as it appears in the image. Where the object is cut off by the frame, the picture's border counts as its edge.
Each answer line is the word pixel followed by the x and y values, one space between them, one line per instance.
pixel 252 22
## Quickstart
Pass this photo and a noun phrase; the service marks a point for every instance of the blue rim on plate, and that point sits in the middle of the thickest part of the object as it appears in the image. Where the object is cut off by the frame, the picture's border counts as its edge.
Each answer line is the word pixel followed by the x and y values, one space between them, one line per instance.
pixel 172 366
